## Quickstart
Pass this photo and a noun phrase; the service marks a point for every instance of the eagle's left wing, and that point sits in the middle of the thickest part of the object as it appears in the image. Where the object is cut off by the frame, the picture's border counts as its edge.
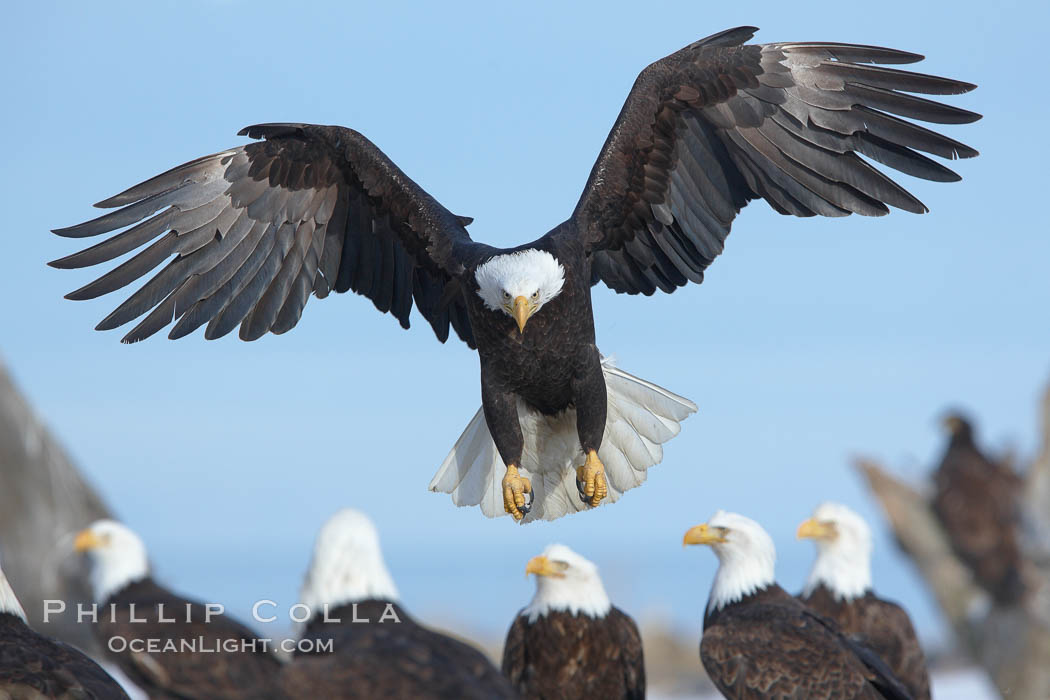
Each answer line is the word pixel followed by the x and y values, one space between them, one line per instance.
pixel 719 123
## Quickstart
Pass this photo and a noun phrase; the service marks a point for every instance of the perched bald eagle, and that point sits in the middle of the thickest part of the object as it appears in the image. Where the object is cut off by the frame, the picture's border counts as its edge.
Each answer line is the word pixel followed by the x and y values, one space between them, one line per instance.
pixel 570 641
pixel 196 654
pixel 761 642
pixel 251 232
pixel 33 666
pixel 977 502
pixel 839 588
pixel 378 650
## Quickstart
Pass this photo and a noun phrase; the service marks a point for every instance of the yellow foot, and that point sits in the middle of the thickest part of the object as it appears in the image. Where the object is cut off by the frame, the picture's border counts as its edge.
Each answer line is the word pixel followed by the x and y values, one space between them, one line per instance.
pixel 590 480
pixel 514 489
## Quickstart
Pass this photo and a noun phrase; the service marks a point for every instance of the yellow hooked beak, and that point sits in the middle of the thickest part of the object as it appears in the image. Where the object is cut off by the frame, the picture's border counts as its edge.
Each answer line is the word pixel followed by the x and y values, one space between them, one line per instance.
pixel 704 534
pixel 521 312
pixel 542 566
pixel 86 540
pixel 816 530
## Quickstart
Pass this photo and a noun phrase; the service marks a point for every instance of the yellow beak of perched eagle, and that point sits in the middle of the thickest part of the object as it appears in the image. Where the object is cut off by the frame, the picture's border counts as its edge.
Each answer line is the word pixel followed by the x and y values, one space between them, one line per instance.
pixel 705 534
pixel 814 529
pixel 542 566
pixel 86 540
pixel 521 310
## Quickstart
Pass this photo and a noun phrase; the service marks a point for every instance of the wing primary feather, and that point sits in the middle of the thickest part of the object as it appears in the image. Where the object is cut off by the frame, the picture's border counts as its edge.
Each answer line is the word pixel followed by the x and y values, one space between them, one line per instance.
pixel 852 52
pixel 196 171
pixel 911 106
pixel 241 305
pixel 181 270
pixel 118 245
pixel 183 197
pixel 264 311
pixel 221 283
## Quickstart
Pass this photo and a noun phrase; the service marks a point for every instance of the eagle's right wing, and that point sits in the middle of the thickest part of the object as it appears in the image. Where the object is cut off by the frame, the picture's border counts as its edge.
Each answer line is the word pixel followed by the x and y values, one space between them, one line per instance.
pixel 251 232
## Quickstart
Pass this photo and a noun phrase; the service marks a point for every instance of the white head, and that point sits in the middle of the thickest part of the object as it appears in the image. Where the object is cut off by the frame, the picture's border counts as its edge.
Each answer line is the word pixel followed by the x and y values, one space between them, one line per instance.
pixel 566 582
pixel 519 284
pixel 8 601
pixel 347 566
pixel 117 556
pixel 843 551
pixel 746 556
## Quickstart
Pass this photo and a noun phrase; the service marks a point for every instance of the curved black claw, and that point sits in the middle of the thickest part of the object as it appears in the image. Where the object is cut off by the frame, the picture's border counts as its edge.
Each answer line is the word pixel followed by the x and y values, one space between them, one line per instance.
pixel 531 494
pixel 580 486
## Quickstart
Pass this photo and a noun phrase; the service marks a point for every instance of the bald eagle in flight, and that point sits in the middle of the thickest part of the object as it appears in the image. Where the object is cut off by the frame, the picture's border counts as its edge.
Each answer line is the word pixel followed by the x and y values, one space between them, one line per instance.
pixel 250 232
pixel 839 588
pixel 378 650
pixel 761 642
pixel 33 666
pixel 169 646
pixel 570 641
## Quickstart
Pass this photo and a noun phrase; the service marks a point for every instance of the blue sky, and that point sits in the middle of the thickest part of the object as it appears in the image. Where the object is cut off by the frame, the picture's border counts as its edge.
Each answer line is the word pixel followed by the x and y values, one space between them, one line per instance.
pixel 810 340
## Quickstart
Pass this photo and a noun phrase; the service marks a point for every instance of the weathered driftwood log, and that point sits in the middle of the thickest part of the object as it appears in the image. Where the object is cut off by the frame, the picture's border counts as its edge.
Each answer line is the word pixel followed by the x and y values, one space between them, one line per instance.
pixel 43 499
pixel 1012 643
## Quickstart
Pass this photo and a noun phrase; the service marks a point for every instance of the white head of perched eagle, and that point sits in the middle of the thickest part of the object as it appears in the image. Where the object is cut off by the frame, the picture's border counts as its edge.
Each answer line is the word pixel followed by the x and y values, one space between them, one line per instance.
pixel 565 581
pixel 520 283
pixel 746 556
pixel 347 564
pixel 117 555
pixel 843 542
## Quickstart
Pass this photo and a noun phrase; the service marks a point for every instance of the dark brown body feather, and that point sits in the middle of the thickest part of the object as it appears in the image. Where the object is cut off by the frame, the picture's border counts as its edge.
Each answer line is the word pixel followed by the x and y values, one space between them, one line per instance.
pixel 389 660
pixel 190 673
pixel 884 627
pixel 977 503
pixel 562 656
pixel 770 646
pixel 34 667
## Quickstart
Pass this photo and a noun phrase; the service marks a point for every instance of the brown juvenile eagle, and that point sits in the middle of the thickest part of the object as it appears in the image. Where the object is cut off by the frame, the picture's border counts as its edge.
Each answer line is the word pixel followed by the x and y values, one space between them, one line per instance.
pixel 977 502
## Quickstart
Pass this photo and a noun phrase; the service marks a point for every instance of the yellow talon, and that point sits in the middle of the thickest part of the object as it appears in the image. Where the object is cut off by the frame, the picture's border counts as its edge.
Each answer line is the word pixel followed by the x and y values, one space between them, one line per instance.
pixel 514 489
pixel 590 479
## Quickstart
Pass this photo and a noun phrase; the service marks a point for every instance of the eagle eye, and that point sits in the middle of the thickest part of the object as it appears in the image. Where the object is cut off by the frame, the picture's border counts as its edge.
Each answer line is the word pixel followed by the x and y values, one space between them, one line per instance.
pixel 536 294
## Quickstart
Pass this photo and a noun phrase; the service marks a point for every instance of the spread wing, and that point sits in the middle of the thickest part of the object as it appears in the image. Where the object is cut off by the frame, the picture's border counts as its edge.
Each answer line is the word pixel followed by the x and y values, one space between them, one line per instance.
pixel 251 232
pixel 719 123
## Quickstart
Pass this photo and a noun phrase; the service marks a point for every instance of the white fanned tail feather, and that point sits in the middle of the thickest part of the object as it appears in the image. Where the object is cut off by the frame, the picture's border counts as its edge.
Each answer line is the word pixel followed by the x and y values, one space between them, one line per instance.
pixel 641 417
